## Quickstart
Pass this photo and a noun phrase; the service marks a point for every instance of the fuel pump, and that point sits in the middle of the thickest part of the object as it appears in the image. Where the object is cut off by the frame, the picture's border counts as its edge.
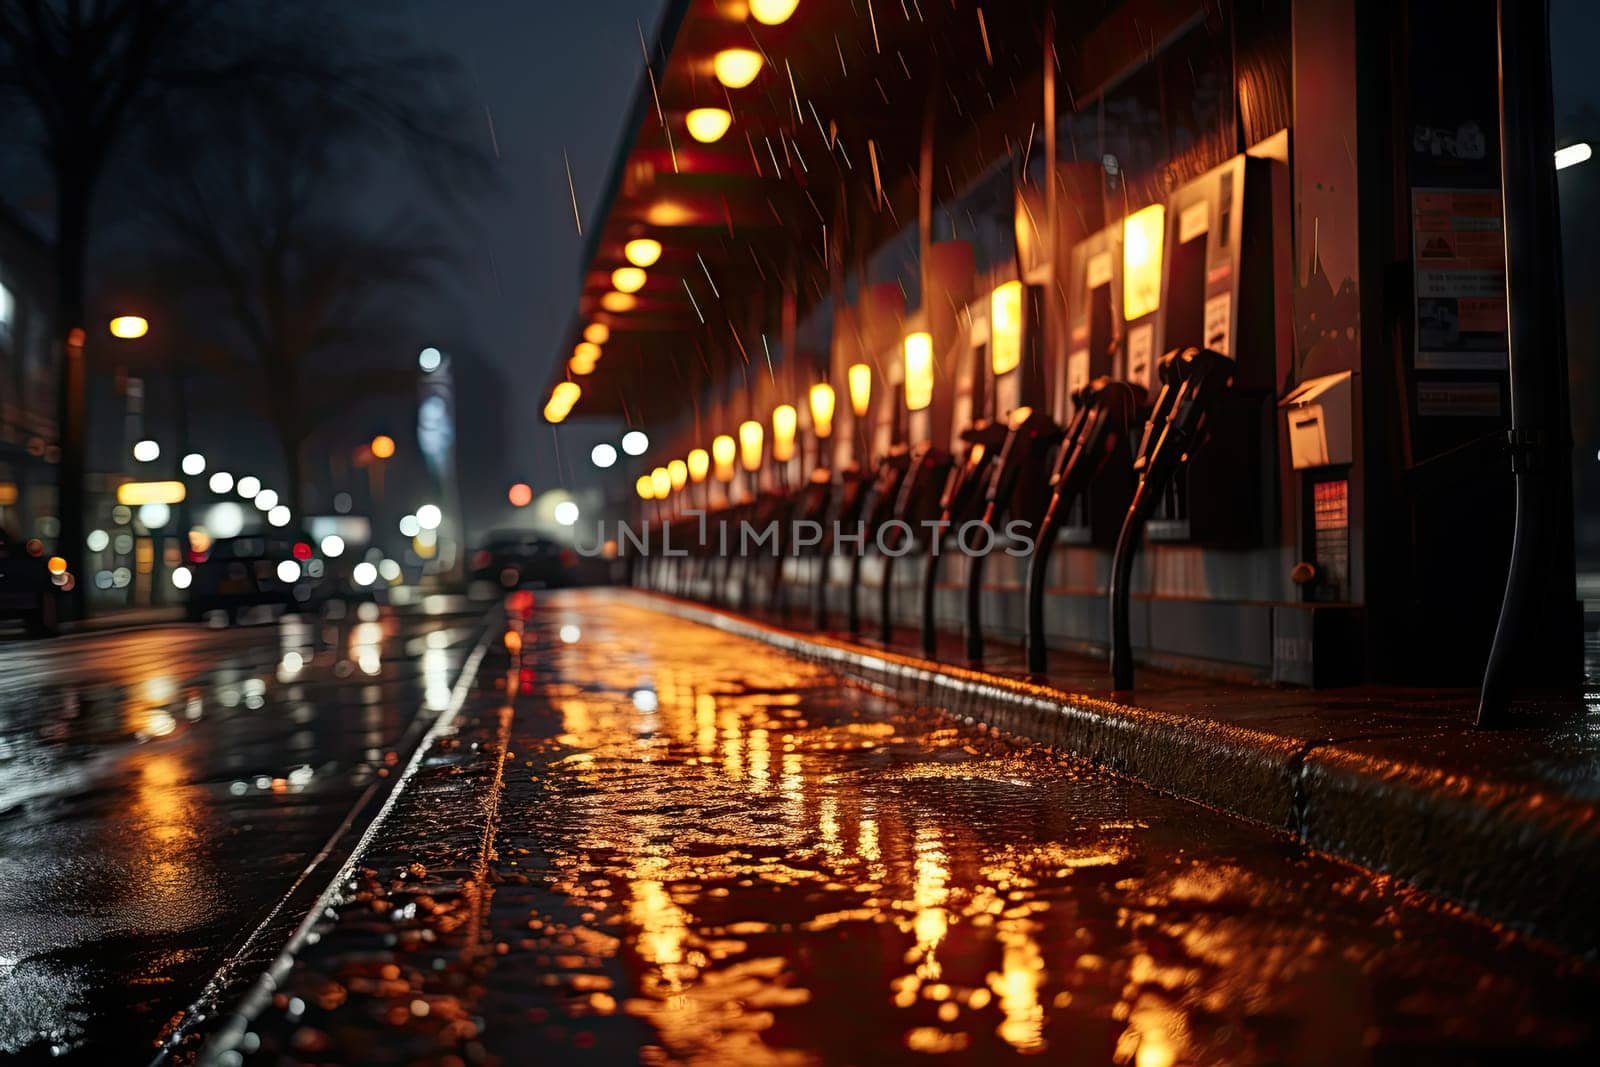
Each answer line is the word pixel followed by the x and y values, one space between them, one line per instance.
pixel 1221 294
pixel 1098 438
pixel 1016 485
pixel 1194 381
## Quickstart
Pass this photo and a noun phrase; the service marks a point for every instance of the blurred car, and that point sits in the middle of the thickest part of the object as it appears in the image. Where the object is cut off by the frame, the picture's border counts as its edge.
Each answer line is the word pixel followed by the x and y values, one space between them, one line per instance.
pixel 27 589
pixel 276 569
pixel 513 558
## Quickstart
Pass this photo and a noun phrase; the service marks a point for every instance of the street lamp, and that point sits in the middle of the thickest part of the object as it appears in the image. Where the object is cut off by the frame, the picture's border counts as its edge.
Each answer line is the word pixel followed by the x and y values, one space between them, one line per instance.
pixel 603 455
pixel 129 327
pixel 634 442
pixel 194 464
pixel 429 360
pixel 146 451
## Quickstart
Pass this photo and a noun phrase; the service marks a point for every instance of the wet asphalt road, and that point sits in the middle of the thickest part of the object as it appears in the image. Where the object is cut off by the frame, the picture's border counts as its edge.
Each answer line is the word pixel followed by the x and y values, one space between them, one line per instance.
pixel 652 842
pixel 162 790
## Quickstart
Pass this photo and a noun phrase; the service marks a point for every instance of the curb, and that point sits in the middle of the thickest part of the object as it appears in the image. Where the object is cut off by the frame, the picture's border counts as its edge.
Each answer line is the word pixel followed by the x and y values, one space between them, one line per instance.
pixel 1513 851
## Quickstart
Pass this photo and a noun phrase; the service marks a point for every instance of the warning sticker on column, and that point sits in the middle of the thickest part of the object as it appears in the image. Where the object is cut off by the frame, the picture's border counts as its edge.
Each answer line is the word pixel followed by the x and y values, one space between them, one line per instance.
pixel 1219 323
pixel 1459 254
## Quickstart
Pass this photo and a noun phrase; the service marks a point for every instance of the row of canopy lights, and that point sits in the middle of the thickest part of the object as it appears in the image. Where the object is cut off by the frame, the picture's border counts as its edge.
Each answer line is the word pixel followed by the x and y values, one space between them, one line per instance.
pixel 1005 326
pixel 747 451
pixel 735 68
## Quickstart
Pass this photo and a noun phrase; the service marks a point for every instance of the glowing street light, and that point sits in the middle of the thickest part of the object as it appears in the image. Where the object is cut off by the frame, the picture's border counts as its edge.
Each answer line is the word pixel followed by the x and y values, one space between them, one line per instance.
pixel 429 360
pixel 429 516
pixel 278 516
pixel 221 482
pixel 382 446
pixel 520 495
pixel 597 333
pixel 723 453
pixel 628 279
pixel 645 486
pixel 661 483
pixel 194 464
pixel 129 327
pixel 919 370
pixel 146 451
pixel 635 443
pixel 566 513
pixel 603 455
pixel 248 486
pixel 678 472
pixel 1572 155
pixel 409 526
pixel 784 422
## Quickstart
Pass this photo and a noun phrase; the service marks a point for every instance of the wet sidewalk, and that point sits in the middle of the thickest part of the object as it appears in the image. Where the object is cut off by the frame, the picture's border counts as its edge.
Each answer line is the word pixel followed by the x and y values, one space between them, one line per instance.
pixel 1506 822
pixel 653 841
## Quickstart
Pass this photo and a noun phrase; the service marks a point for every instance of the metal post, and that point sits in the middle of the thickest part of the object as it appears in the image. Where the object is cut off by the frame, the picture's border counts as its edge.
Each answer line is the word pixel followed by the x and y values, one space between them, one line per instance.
pixel 1539 584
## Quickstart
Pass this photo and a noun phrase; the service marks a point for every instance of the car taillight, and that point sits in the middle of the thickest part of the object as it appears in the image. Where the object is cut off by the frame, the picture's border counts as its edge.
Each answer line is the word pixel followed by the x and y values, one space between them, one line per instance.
pixel 302 551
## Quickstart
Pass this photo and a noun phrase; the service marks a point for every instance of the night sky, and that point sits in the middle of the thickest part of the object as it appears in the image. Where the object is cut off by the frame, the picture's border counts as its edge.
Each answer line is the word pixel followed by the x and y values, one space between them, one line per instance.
pixel 553 76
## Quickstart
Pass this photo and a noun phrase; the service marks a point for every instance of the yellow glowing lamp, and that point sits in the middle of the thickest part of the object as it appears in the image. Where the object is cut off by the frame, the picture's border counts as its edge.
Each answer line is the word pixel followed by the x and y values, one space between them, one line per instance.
pixel 382 446
pixel 57 565
pixel 751 438
pixel 919 370
pixel 642 251
pixel 1005 327
pixel 628 279
pixel 678 472
pixel 645 487
pixel 129 327
pixel 723 451
pixel 821 398
pixel 579 367
pixel 736 67
pixel 562 399
pixel 586 352
pixel 597 333
pixel 772 12
pixel 860 375
pixel 661 483
pixel 699 465
pixel 785 420
pixel 708 124
pixel 615 301
pixel 135 494
pixel 1142 234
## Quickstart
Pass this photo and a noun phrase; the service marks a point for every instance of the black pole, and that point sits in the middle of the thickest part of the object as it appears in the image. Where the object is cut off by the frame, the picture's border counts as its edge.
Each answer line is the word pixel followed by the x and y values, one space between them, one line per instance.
pixel 1538 626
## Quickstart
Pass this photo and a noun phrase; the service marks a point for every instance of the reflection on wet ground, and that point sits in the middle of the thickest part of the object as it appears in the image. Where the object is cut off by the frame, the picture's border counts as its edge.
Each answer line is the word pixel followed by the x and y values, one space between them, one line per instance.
pixel 686 847
pixel 160 790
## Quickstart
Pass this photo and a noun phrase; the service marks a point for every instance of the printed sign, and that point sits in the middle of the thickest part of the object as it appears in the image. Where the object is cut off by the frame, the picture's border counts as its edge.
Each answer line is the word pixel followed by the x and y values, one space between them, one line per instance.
pixel 1195 220
pixel 1459 255
pixel 1077 372
pixel 1141 345
pixel 1219 323
pixel 1475 399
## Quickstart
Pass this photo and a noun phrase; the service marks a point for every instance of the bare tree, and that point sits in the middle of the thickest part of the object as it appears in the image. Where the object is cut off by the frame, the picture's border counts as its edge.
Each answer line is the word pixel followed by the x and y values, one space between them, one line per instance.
pixel 87 74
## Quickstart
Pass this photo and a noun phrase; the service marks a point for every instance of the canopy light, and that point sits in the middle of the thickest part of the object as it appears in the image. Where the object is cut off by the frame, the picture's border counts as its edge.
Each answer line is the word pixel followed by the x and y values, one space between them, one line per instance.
pixel 678 471
pixel 615 301
pixel 919 370
pixel 597 333
pixel 821 397
pixel 708 124
pixel 645 487
pixel 699 465
pixel 772 12
pixel 628 279
pixel 137 494
pixel 642 251
pixel 736 67
pixel 1142 234
pixel 784 421
pixel 129 327
pixel 1005 327
pixel 860 375
pixel 562 399
pixel 661 483
pixel 723 451
pixel 751 437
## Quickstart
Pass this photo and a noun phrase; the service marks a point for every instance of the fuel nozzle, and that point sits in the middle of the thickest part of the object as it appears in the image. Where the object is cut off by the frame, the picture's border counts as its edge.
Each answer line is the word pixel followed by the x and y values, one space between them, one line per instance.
pixel 1193 379
pixel 1107 408
pixel 1027 433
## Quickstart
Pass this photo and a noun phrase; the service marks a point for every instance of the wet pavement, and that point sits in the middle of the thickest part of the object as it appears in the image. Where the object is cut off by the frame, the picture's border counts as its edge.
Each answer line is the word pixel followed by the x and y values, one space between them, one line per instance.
pixel 163 790
pixel 654 842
